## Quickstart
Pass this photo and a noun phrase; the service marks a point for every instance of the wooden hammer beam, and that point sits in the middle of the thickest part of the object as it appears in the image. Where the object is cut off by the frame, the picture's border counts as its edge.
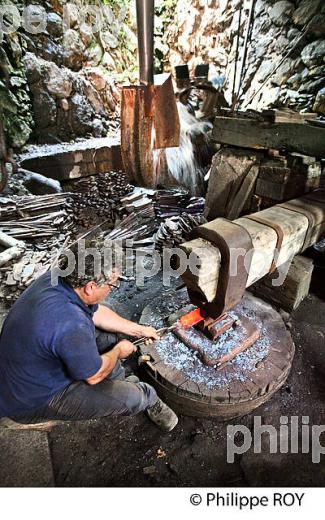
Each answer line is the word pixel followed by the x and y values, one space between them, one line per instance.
pixel 293 226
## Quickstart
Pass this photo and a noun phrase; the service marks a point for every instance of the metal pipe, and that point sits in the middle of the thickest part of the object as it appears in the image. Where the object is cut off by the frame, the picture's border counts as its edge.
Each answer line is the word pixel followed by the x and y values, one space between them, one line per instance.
pixel 145 24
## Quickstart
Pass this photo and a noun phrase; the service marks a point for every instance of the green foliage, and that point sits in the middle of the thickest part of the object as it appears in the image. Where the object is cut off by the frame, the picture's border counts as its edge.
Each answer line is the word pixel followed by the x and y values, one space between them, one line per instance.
pixel 15 106
pixel 126 62
pixel 166 10
pixel 165 15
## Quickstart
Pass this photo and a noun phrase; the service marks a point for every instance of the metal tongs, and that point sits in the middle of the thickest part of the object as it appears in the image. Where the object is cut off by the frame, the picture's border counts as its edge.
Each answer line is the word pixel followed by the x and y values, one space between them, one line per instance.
pixel 161 332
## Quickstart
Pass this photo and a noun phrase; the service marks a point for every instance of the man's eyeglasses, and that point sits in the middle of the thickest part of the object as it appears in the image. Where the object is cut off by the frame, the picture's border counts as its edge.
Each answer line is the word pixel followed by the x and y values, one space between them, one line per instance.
pixel 102 282
pixel 113 286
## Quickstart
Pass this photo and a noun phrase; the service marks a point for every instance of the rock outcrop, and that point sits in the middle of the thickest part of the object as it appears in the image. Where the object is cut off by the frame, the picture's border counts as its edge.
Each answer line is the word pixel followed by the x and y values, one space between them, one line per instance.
pixel 286 48
pixel 64 78
pixel 69 104
pixel 68 73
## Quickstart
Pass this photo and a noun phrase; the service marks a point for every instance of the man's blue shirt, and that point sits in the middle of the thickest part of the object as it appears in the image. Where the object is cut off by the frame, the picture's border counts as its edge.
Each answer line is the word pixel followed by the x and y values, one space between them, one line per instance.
pixel 47 342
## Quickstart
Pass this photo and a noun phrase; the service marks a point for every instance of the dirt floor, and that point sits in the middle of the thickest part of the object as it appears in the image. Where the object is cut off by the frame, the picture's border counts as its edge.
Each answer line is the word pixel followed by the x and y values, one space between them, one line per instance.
pixel 133 452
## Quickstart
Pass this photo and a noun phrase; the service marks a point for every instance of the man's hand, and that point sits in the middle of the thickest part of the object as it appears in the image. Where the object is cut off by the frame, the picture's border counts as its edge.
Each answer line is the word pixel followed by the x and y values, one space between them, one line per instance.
pixel 106 319
pixel 125 348
pixel 147 332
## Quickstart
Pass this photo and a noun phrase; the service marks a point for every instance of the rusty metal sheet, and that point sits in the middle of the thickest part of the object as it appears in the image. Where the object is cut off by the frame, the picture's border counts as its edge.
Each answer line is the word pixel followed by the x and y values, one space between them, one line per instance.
pixel 136 134
pixel 149 120
pixel 229 238
pixel 166 119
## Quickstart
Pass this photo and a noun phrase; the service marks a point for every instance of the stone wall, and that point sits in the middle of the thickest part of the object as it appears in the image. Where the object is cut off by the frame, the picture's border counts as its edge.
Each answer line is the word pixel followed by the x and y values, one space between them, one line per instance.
pixel 69 72
pixel 287 45
pixel 15 103
pixel 64 82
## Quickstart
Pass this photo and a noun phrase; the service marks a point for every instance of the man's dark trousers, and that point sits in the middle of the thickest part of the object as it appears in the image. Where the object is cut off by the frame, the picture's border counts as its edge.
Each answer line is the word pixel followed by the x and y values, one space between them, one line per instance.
pixel 112 396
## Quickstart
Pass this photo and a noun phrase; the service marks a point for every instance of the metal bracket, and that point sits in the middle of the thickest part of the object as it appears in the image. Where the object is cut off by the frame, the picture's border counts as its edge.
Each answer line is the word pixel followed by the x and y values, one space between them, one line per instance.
pixel 230 238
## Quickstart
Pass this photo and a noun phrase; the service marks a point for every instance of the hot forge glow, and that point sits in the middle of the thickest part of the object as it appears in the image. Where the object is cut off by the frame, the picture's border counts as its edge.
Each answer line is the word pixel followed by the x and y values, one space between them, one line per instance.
pixel 191 319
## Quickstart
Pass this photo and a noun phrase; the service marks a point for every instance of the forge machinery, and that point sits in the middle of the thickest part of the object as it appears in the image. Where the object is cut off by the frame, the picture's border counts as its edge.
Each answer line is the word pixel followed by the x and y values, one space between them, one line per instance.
pixel 224 352
pixel 149 115
pixel 235 350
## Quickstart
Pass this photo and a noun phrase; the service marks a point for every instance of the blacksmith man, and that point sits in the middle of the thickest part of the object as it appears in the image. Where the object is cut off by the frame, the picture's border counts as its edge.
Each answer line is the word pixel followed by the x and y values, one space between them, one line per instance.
pixel 59 355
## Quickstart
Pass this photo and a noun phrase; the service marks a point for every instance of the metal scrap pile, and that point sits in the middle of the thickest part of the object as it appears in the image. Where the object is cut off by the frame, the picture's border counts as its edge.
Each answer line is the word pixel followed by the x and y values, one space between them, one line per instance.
pixel 16 277
pixel 178 214
pixel 138 221
pixel 98 197
pixel 158 218
pixel 176 230
pixel 42 224
pixel 37 217
pixel 45 224
pixel 169 203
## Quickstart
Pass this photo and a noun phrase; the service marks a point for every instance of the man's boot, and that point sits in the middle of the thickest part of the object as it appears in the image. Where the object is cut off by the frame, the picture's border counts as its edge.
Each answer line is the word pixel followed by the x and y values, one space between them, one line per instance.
pixel 162 416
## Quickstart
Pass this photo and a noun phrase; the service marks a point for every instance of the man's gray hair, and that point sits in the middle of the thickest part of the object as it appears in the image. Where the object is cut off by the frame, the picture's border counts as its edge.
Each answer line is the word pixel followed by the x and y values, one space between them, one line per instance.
pixel 91 260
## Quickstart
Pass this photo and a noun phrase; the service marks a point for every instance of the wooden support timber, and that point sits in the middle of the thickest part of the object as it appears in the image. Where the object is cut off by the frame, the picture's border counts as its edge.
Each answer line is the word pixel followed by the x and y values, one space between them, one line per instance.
pixel 295 137
pixel 232 180
pixel 245 180
pixel 294 289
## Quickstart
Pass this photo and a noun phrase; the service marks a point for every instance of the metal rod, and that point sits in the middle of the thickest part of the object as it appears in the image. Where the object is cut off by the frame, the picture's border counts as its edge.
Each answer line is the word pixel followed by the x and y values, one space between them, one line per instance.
pixel 159 331
pixel 145 24
pixel 237 55
pixel 247 36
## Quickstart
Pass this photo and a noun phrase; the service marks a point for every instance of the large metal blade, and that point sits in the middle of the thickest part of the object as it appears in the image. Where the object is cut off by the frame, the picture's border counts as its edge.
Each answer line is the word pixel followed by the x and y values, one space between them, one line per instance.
pixel 149 120
pixel 166 118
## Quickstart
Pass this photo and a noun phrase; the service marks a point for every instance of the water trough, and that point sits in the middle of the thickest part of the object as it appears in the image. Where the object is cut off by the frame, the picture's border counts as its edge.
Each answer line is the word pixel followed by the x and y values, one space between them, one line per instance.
pixel 72 161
